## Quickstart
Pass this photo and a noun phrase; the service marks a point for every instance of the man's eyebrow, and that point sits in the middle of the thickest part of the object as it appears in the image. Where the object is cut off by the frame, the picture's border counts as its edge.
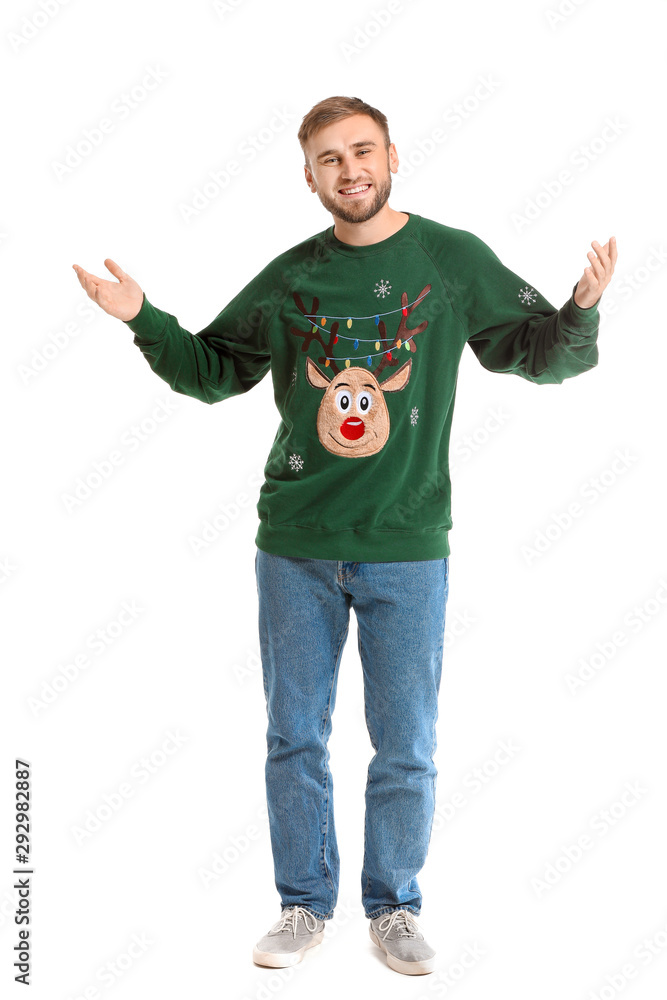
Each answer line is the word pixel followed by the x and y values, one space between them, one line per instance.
pixel 355 145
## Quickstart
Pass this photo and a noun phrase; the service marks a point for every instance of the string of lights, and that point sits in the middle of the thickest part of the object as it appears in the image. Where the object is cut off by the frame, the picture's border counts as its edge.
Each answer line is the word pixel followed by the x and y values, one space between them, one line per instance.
pixel 366 340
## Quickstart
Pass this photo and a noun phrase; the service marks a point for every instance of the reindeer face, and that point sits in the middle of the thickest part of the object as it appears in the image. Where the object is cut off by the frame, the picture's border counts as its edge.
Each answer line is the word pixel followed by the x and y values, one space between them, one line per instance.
pixel 353 418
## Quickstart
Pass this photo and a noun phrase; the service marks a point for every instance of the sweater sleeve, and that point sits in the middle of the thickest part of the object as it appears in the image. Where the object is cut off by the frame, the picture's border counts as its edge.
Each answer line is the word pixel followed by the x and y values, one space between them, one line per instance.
pixel 511 327
pixel 226 358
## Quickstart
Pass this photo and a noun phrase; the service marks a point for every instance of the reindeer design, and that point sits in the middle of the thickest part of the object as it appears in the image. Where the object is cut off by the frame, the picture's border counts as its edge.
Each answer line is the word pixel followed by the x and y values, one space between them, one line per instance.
pixel 353 418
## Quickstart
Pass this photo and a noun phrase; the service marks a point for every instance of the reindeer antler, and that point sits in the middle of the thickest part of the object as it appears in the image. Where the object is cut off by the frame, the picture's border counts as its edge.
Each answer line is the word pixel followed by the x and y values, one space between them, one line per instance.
pixel 313 333
pixel 403 334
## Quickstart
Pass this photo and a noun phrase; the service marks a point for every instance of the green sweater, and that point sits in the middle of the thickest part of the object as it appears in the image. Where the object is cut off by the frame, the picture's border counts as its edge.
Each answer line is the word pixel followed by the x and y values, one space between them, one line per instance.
pixel 364 345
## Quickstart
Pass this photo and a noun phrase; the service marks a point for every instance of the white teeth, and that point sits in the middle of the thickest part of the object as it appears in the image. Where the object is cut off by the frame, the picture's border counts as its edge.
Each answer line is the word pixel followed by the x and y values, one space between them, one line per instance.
pixel 361 187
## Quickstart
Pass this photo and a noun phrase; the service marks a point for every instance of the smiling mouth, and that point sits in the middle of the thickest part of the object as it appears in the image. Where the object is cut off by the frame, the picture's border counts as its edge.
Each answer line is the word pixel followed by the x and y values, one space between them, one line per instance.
pixel 342 444
pixel 354 192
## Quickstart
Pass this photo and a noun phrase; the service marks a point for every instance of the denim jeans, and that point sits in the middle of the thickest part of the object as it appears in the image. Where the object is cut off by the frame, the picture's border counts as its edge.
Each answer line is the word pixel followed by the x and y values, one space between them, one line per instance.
pixel 304 614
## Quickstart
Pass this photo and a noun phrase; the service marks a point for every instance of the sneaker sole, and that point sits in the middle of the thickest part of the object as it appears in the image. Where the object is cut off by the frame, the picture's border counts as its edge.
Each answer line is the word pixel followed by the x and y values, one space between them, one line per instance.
pixel 407 968
pixel 282 960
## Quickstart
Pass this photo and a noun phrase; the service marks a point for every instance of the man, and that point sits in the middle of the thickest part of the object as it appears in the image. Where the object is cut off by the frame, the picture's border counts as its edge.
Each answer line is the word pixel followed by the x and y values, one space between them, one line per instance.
pixel 355 508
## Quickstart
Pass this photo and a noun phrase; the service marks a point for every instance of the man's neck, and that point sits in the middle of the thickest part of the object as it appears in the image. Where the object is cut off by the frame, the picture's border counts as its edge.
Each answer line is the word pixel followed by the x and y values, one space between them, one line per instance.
pixel 384 224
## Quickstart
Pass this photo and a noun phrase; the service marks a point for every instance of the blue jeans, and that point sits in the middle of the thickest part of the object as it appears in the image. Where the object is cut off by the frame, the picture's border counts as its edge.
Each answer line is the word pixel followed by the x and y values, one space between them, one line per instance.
pixel 304 613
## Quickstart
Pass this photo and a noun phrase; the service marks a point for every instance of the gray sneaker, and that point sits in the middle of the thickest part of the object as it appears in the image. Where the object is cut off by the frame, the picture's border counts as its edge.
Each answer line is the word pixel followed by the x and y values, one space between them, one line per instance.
pixel 289 939
pixel 398 935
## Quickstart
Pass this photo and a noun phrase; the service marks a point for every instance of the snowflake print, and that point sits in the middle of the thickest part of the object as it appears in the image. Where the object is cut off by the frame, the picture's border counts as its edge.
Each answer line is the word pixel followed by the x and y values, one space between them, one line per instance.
pixel 414 416
pixel 527 295
pixel 294 376
pixel 296 463
pixel 382 287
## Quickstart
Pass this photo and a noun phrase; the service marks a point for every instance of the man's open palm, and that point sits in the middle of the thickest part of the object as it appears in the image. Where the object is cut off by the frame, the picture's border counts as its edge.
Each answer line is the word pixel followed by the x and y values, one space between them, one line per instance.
pixel 122 299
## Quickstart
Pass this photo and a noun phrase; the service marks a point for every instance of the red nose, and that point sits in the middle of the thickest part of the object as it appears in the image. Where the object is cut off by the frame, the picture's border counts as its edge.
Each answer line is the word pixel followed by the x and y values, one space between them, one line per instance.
pixel 352 428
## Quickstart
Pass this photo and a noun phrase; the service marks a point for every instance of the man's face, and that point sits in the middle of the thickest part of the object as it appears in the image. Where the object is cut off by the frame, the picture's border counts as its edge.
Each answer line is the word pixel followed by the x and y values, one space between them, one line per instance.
pixel 350 154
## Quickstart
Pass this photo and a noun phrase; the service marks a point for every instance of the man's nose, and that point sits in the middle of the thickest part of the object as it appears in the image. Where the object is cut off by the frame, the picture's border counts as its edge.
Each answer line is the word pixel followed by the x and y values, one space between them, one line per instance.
pixel 349 170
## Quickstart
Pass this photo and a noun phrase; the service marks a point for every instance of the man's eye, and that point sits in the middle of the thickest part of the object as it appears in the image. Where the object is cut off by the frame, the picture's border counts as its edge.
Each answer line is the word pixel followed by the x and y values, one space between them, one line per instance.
pixel 330 158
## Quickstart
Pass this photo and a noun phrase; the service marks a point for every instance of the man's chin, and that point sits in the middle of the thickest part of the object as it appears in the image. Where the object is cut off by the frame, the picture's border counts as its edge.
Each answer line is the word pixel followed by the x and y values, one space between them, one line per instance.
pixel 352 217
pixel 354 213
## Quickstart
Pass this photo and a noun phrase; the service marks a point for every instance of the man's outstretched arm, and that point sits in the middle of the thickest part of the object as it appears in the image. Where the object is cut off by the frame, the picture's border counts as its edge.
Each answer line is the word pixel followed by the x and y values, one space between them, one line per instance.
pixel 511 327
pixel 225 359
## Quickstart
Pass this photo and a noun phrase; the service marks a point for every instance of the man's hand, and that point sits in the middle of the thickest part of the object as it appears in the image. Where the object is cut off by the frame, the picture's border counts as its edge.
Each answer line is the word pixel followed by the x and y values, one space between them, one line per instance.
pixel 122 299
pixel 596 278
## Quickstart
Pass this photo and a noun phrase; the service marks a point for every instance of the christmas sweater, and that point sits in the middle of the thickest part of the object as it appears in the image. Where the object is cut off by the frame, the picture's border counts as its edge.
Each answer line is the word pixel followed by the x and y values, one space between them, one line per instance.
pixel 364 344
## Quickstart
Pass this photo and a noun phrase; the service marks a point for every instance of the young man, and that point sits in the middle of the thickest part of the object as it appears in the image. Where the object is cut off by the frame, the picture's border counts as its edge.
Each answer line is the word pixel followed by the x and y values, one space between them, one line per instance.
pixel 363 327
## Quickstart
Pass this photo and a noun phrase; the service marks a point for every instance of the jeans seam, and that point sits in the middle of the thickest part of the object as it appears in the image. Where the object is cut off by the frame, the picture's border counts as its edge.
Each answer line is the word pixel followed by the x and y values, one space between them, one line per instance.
pixel 327 873
pixel 369 778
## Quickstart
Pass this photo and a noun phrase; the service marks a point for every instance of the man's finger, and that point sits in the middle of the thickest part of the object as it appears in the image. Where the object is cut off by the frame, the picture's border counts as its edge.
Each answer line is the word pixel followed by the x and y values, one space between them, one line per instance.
pixel 80 273
pixel 600 250
pixel 603 254
pixel 89 282
pixel 609 257
pixel 117 271
pixel 88 279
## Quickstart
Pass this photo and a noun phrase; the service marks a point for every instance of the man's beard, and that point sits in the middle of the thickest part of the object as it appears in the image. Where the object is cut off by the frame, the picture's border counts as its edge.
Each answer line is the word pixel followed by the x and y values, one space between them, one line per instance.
pixel 360 212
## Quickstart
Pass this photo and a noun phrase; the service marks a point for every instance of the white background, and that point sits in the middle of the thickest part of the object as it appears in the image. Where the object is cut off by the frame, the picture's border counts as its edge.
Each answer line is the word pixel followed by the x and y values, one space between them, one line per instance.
pixel 189 661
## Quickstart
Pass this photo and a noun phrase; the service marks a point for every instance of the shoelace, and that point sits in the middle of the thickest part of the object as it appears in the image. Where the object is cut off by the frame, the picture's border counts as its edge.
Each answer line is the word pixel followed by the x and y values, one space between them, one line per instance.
pixel 291 915
pixel 404 920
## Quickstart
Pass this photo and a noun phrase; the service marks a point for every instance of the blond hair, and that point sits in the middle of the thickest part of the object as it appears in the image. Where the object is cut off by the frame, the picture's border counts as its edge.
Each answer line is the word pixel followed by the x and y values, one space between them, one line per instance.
pixel 333 109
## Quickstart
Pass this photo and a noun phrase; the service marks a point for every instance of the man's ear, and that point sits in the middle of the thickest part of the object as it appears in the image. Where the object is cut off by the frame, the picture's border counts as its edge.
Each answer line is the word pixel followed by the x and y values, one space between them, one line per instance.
pixel 393 158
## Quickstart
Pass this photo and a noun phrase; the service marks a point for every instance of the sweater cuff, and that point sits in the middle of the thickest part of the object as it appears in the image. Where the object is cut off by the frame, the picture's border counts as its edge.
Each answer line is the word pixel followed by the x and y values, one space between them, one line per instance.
pixel 585 320
pixel 580 311
pixel 149 323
